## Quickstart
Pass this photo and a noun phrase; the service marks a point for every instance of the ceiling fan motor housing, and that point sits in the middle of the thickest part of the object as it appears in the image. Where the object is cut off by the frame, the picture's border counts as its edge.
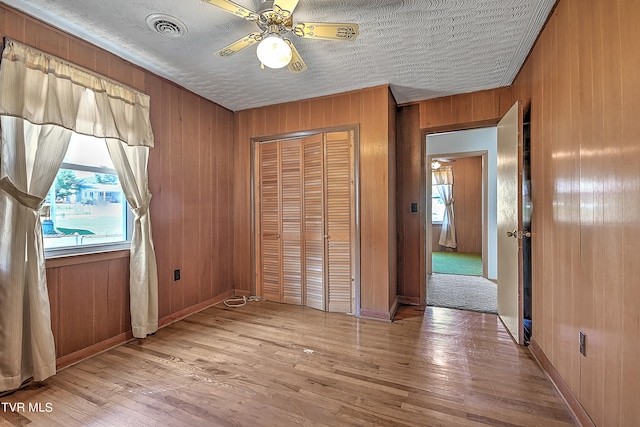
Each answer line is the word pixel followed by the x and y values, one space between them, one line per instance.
pixel 271 22
pixel 264 6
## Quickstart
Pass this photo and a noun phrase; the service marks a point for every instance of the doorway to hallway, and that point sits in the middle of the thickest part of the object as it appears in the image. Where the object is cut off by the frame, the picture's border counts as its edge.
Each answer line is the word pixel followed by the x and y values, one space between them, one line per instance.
pixel 461 264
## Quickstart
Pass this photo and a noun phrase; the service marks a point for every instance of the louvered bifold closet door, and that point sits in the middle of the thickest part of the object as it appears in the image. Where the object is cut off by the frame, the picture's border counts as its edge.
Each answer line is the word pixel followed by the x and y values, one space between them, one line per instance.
pixel 291 194
pixel 313 222
pixel 339 191
pixel 270 255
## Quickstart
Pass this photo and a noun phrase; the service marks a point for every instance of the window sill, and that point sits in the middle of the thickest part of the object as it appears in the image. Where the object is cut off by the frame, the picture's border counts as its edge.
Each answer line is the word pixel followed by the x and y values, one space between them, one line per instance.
pixel 86 258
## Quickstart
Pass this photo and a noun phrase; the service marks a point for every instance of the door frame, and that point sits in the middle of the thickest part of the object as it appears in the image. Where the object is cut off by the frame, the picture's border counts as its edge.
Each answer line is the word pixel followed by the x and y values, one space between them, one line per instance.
pixel 255 229
pixel 484 208
pixel 425 211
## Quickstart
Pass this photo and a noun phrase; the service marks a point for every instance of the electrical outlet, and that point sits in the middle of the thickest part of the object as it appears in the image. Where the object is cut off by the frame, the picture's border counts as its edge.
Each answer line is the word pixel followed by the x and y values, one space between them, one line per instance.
pixel 583 343
pixel 414 207
pixel 176 275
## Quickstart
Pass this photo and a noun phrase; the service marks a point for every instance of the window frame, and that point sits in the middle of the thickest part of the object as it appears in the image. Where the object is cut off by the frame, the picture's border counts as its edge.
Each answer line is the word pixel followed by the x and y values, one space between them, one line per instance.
pixel 96 247
pixel 435 195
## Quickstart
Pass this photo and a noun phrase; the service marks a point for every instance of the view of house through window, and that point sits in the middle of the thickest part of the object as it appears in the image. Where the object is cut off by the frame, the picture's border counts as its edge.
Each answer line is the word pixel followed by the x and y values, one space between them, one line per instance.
pixel 437 206
pixel 85 205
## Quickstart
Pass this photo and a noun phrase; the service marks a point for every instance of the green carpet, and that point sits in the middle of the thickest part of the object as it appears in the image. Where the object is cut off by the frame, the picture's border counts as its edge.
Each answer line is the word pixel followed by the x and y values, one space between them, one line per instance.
pixel 465 264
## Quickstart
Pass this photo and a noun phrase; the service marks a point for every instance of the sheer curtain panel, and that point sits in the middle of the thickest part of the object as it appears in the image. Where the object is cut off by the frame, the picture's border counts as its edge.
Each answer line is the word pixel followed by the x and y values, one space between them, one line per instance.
pixel 443 180
pixel 31 156
pixel 43 99
pixel 130 163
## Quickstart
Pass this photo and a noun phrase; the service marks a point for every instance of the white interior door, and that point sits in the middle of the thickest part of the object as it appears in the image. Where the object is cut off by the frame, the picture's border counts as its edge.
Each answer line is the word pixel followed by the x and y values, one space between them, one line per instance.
pixel 509 221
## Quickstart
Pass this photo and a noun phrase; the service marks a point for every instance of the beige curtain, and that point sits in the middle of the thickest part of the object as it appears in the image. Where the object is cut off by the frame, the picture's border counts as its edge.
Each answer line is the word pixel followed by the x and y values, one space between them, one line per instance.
pixel 43 99
pixel 443 180
pixel 31 156
pixel 130 163
pixel 44 89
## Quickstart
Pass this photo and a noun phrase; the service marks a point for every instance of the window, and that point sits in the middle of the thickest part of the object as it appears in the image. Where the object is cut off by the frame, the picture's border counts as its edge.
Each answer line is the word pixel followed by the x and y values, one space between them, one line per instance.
pixel 85 209
pixel 437 206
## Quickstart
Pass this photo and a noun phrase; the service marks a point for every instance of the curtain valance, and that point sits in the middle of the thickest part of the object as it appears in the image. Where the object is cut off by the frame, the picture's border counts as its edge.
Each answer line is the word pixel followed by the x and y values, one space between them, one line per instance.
pixel 44 89
pixel 442 176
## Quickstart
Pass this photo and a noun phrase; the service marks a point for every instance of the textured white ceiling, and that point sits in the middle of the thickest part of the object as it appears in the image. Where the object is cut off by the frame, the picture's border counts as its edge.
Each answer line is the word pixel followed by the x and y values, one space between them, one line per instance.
pixel 422 48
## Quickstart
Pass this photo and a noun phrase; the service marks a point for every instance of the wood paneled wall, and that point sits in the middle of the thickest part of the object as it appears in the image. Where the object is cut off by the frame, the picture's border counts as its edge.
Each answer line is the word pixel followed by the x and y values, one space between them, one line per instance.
pixel 191 182
pixel 458 112
pixel 582 84
pixel 368 109
pixel 467 196
pixel 410 189
pixel 89 304
pixel 580 81
pixel 436 229
pixel 466 110
pixel 190 176
pixel 392 202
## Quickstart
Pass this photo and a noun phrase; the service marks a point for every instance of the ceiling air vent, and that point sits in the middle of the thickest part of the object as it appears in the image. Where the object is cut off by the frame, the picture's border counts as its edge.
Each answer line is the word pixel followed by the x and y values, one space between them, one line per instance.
pixel 166 25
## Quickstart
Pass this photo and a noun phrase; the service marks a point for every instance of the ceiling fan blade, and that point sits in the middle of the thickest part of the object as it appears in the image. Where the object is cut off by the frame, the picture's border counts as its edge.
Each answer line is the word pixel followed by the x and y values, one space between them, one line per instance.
pixel 326 30
pixel 296 65
pixel 234 9
pixel 284 8
pixel 237 46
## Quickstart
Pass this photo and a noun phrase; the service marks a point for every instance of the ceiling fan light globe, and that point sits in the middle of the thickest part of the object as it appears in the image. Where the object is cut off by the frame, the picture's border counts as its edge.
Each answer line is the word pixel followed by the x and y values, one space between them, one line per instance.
pixel 274 52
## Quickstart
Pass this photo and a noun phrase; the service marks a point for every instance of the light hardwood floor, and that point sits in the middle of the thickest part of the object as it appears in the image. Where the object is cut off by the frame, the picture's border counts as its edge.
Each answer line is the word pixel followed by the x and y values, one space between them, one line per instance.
pixel 279 365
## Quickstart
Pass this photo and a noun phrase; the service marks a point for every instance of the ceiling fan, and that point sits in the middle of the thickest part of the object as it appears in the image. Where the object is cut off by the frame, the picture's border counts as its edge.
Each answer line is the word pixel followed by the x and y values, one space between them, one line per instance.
pixel 275 19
